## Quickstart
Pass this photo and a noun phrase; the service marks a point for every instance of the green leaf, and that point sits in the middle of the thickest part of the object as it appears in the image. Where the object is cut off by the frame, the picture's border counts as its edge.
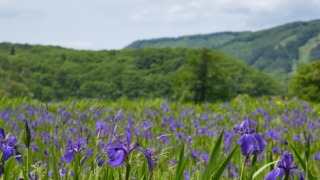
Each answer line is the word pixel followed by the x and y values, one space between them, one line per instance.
pixel 88 162
pixel 76 164
pixel 303 164
pixel 217 174
pixel 213 158
pixel 180 162
pixel 271 160
pixel 8 166
pixel 253 166
pixel 254 160
pixel 144 170
pixel 263 168
pixel 307 145
pixel 257 127
pixel 54 164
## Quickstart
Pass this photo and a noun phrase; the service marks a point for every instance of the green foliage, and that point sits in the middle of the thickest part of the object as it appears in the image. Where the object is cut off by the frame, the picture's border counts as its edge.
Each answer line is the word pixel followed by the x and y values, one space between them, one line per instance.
pixel 306 83
pixel 302 163
pixel 222 165
pixel 213 158
pixel 209 76
pixel 181 163
pixel 259 171
pixel 276 51
pixel 195 41
pixel 46 73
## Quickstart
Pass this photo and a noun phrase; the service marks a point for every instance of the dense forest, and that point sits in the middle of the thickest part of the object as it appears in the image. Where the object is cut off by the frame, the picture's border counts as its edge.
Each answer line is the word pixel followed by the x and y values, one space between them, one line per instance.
pixel 277 51
pixel 49 72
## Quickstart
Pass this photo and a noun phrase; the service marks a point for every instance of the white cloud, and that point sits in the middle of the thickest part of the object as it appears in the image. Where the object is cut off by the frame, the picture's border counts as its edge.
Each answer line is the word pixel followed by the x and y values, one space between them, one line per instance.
pixel 175 9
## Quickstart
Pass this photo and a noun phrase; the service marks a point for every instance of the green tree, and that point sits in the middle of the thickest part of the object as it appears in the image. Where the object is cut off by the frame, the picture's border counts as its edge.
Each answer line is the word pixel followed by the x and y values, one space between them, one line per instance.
pixel 12 51
pixel 203 78
pixel 306 83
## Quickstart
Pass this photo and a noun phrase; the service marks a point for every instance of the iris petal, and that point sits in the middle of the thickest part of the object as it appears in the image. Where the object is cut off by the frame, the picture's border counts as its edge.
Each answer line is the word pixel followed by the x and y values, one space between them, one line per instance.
pixel 129 137
pixel 300 174
pixel 69 156
pixel 7 152
pixel 260 141
pixel 2 135
pixel 274 174
pixel 246 143
pixel 149 159
pixel 117 158
pixel 18 156
pixel 287 159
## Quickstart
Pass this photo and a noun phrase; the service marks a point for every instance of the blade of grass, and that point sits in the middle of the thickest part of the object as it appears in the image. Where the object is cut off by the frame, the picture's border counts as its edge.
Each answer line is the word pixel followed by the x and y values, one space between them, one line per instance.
pixel 213 157
pixel 54 164
pixel 88 162
pixel 217 174
pixel 271 160
pixel 263 168
pixel 76 164
pixel 180 162
pixel 303 164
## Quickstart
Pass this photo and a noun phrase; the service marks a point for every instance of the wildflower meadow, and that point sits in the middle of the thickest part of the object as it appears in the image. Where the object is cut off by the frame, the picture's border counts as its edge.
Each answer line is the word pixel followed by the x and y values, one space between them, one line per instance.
pixel 244 139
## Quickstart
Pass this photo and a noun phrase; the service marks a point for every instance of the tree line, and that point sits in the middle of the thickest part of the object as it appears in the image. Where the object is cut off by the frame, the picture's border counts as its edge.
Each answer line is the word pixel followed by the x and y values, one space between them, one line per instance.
pixel 48 72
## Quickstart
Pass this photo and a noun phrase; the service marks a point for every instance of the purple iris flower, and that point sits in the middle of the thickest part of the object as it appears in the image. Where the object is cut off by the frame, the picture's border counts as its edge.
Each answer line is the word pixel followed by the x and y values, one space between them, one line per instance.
pixel 118 153
pixel 284 168
pixel 205 157
pixel 9 147
pixel 250 142
pixel 164 106
pixel 276 150
pixel 102 126
pixel 317 156
pixel 74 148
pixel 173 162
pixel 186 175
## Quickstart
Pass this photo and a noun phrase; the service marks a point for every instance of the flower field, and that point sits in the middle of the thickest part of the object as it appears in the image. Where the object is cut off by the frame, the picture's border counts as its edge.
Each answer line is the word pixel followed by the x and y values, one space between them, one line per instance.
pixel 158 139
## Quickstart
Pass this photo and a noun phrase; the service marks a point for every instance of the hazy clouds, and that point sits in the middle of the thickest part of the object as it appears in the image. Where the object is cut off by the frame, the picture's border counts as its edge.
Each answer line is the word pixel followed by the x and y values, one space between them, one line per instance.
pixel 104 24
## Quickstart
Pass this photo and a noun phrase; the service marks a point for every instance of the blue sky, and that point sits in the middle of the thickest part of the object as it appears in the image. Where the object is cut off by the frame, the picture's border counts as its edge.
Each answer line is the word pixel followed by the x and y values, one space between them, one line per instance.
pixel 104 24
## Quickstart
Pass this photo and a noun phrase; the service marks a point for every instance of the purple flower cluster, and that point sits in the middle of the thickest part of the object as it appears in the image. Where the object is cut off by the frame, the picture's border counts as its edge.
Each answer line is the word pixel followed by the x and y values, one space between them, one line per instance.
pixel 95 135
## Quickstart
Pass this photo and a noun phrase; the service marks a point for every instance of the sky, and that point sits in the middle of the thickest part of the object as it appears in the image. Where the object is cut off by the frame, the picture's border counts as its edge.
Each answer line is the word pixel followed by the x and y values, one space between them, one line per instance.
pixel 105 24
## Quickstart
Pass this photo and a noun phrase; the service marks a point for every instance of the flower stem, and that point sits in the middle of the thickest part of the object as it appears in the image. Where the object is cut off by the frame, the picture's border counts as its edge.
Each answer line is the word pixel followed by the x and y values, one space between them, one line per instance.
pixel 243 166
pixel 128 168
pixel 307 169
pixel 27 164
pixel 76 165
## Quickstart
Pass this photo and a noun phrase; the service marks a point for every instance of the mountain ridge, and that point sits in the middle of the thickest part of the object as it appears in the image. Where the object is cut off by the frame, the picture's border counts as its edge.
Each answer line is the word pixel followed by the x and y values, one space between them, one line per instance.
pixel 277 50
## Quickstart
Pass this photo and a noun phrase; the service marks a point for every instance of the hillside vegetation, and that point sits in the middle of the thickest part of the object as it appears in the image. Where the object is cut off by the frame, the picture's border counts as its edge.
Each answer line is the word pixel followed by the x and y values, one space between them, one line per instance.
pixel 277 51
pixel 47 72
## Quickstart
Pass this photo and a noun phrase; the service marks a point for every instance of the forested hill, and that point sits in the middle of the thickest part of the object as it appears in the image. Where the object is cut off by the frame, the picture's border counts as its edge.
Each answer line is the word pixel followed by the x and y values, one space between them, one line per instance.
pixel 47 72
pixel 277 50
